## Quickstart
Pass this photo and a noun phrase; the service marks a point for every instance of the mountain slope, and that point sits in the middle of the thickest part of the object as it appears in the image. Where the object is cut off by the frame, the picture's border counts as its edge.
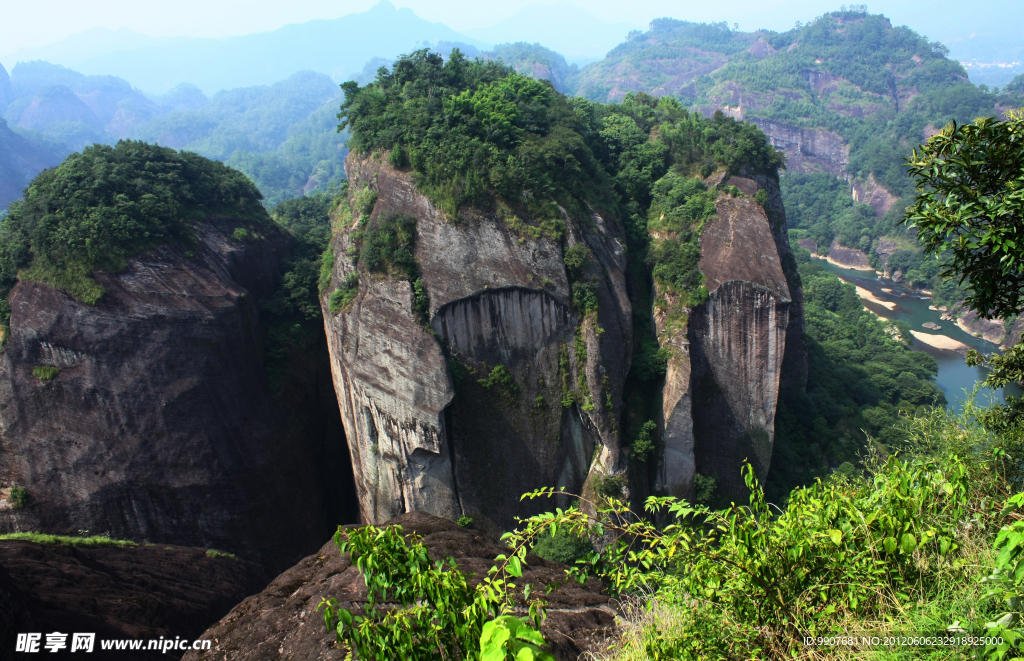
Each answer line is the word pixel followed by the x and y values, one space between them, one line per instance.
pixel 20 160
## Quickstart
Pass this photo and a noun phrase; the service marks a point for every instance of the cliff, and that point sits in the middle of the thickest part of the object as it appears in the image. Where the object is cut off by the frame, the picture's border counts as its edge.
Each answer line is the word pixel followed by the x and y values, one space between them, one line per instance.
pixel 149 417
pixel 729 358
pixel 430 427
pixel 282 622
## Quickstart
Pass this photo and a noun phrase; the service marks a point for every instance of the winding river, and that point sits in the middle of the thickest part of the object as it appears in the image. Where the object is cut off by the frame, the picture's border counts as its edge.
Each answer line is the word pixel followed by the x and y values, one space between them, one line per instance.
pixel 954 376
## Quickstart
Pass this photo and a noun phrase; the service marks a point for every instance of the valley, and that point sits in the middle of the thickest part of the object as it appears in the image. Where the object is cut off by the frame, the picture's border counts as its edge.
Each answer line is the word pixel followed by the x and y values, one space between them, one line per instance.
pixel 393 355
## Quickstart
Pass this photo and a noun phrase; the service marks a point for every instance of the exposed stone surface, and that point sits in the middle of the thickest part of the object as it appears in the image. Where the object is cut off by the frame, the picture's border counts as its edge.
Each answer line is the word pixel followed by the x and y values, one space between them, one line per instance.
pixel 870 192
pixel 807 150
pixel 809 244
pixel 422 441
pixel 848 258
pixel 161 425
pixel 727 363
pixel 282 621
pixel 990 330
pixel 137 592
pixel 737 343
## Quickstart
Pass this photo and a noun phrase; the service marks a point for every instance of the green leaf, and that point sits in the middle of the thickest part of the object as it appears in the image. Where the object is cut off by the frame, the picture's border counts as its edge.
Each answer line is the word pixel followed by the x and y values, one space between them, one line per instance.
pixel 908 543
pixel 889 544
pixel 836 535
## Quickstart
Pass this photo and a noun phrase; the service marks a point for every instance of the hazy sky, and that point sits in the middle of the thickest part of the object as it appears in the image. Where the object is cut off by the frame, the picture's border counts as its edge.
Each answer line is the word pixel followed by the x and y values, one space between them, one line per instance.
pixel 40 22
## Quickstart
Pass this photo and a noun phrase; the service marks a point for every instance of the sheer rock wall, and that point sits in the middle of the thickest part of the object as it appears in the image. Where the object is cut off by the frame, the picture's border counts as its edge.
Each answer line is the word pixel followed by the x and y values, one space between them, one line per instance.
pixel 160 425
pixel 424 432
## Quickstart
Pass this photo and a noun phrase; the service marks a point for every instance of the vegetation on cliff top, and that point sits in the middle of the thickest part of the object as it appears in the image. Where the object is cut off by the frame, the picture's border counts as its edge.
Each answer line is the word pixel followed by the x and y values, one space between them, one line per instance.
pixel 106 204
pixel 476 132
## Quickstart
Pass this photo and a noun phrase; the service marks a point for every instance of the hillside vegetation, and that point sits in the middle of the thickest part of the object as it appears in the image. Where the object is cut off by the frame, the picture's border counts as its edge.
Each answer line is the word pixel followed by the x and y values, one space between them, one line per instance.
pixel 106 204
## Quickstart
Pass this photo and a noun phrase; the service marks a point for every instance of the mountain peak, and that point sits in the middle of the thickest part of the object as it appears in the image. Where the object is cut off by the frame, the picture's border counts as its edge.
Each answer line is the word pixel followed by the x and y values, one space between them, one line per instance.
pixel 382 7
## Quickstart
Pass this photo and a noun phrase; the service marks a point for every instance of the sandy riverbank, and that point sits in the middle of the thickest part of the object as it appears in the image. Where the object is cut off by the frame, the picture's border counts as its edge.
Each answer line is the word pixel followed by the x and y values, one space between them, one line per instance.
pixel 866 295
pixel 940 341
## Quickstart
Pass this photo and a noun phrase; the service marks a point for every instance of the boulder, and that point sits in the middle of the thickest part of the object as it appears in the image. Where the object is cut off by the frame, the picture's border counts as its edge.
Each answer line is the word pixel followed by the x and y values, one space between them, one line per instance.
pixel 425 433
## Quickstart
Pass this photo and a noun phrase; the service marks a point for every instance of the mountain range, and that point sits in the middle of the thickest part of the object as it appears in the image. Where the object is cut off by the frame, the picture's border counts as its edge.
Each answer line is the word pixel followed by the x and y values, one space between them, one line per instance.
pixel 337 47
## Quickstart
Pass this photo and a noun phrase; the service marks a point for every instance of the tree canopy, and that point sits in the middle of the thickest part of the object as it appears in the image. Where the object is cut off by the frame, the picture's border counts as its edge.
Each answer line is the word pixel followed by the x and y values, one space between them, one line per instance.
pixel 475 132
pixel 970 202
pixel 106 204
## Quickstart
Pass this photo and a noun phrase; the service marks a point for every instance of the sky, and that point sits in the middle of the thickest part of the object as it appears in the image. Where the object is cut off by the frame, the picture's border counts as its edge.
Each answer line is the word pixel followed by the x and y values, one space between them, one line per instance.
pixel 40 22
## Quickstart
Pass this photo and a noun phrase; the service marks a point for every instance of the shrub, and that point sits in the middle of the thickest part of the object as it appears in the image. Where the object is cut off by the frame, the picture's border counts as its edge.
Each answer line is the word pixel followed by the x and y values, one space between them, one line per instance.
pixel 326 270
pixel 465 521
pixel 564 546
pixel 93 541
pixel 45 372
pixel 761 197
pixel 343 296
pixel 643 445
pixel 241 234
pixel 704 489
pixel 388 245
pixel 438 614
pixel 18 497
pixel 500 376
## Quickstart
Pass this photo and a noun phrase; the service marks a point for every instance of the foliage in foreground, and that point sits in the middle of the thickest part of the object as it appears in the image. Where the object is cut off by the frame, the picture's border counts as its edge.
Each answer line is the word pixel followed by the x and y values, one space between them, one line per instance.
pixel 439 614
pixel 898 548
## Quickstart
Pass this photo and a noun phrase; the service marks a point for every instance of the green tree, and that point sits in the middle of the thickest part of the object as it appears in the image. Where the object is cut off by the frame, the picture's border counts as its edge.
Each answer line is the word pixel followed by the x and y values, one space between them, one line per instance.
pixel 970 207
pixel 970 202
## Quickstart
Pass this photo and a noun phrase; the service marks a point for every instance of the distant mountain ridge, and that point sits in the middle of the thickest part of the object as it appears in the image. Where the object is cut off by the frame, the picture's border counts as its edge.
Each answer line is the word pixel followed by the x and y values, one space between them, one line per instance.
pixel 337 47
pixel 560 26
pixel 21 159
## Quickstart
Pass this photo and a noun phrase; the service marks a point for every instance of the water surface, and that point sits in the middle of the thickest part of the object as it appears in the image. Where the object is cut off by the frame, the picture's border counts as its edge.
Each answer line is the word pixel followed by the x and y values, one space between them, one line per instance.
pixel 955 376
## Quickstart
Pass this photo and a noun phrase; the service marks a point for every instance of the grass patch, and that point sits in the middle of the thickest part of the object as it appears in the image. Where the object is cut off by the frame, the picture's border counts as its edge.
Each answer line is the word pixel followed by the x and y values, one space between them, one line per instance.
pixel 74 279
pixel 45 372
pixel 214 553
pixel 93 541
pixel 500 376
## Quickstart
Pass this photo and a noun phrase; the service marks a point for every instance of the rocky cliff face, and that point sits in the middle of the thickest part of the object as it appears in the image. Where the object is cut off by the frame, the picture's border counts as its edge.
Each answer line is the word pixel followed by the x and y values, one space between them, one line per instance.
pixel 807 150
pixel 429 426
pixel 160 424
pixel 504 387
pixel 729 360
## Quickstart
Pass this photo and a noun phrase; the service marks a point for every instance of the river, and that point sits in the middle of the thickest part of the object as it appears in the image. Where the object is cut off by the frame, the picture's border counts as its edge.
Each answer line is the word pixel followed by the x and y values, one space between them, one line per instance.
pixel 955 377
